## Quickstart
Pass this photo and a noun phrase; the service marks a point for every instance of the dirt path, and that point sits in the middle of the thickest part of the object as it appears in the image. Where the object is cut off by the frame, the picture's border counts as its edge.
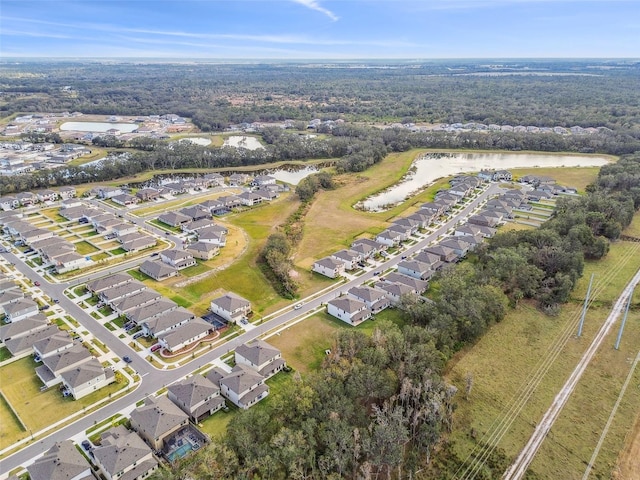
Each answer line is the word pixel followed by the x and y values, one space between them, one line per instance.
pixel 628 464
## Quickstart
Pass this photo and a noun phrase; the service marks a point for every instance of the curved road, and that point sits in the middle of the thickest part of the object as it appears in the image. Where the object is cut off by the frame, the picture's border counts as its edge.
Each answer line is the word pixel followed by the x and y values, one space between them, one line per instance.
pixel 152 378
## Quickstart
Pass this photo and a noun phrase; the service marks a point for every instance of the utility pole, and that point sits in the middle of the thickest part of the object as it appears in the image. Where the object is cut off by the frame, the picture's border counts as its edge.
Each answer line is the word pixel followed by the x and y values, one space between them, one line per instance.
pixel 584 309
pixel 624 320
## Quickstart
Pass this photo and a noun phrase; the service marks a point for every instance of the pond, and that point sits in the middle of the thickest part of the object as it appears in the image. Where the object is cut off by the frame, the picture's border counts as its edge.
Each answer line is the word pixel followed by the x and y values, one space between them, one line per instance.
pixel 242 141
pixel 292 174
pixel 429 167
pixel 98 127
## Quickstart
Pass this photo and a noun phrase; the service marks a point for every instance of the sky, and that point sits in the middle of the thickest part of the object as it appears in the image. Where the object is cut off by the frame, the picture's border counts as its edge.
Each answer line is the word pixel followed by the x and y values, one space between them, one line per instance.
pixel 320 29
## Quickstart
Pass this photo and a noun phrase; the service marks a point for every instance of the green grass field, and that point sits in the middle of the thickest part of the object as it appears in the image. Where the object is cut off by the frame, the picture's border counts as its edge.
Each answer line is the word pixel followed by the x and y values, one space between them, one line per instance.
pixel 85 248
pixel 21 388
pixel 510 354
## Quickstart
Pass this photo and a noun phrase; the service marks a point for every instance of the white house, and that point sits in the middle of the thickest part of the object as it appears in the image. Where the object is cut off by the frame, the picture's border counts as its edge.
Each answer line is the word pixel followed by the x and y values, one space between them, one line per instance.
pixel 376 300
pixel 231 307
pixel 348 257
pixel 23 308
pixel 86 378
pixel 349 310
pixel 188 334
pixel 196 396
pixel 260 356
pixel 244 386
pixel 329 267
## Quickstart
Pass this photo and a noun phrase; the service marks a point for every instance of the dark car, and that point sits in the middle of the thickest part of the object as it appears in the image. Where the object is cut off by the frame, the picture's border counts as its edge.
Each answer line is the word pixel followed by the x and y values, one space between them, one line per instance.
pixel 127 359
pixel 138 335
pixel 55 300
pixel 45 307
pixel 377 273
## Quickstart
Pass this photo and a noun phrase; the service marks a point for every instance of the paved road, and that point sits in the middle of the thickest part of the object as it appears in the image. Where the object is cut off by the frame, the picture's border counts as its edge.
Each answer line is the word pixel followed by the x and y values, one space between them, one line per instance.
pixel 518 469
pixel 151 378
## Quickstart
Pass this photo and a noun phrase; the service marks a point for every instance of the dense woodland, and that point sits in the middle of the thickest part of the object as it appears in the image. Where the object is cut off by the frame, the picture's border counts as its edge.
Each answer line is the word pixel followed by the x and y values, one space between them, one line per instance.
pixel 378 406
pixel 588 93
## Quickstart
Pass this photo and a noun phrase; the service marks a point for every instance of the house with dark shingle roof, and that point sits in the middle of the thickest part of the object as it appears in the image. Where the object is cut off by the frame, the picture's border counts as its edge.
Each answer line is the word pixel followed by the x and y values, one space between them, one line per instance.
pixel 329 267
pixel 61 462
pixel 244 387
pixel 50 372
pixel 260 356
pixel 191 332
pixel 196 396
pixel 174 219
pixel 349 310
pixel 167 321
pixel 376 300
pixel 123 455
pixel 231 307
pixel 86 378
pixel 157 419
pixel 158 270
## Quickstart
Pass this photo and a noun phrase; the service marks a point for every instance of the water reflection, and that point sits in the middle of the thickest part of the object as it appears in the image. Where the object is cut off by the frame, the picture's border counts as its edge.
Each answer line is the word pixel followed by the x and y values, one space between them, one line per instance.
pixel 429 167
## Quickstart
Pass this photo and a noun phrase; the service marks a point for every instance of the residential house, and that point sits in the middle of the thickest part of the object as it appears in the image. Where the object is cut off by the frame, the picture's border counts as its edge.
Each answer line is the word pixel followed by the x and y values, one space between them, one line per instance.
pixel 47 195
pixel 123 229
pixel 36 234
pixel 147 194
pixel 196 396
pixel 417 286
pixel 244 387
pixel 196 225
pixel 186 335
pixel 215 235
pixel 403 231
pixel 202 250
pixel 231 307
pixel 394 291
pixel 389 238
pixel 61 462
pixel 71 261
pixel 9 203
pixel 110 281
pixel 86 378
pixel 431 259
pixel 459 245
pixel 215 207
pixel 350 258
pixel 178 259
pixel 446 254
pixel 349 310
pixel 408 224
pixel 375 299
pixel 329 267
pixel 249 199
pixel 366 244
pixel 146 312
pixel 10 296
pixel 67 192
pixel 140 242
pixel 132 302
pixel 470 229
pixel 238 179
pixel 125 199
pixel 108 192
pixel 157 419
pixel 260 356
pixel 122 290
pixel 158 270
pixel 23 327
pixel 54 365
pixel 415 269
pixel 174 219
pixel 215 179
pixel 261 180
pixel 123 455
pixel 195 212
pixel 23 344
pixel 169 320
pixel 27 199
pixel 20 309
pixel 502 175
pixel 230 201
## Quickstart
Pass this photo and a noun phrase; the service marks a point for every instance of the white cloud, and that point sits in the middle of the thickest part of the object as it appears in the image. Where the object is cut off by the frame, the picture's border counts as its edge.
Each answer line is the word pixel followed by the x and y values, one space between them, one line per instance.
pixel 314 5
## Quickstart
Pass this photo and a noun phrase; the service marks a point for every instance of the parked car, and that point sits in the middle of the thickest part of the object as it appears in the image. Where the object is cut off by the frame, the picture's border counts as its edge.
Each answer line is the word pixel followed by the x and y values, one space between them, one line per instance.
pixel 127 359
pixel 156 347
pixel 45 307
pixel 138 335
pixel 155 254
pixel 86 444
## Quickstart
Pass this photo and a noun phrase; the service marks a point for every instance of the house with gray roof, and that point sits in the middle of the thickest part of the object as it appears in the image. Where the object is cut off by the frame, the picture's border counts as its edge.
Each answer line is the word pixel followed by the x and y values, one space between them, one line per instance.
pixel 367 247
pixel 196 396
pixel 113 294
pixel 260 356
pixel 178 259
pixel 203 250
pixel 231 307
pixel 193 227
pixel 23 327
pixel 20 309
pixel 389 238
pixel 469 229
pixel 174 219
pixel 10 296
pixel 142 299
pixel 157 419
pixel 349 310
pixel 458 244
pixel 111 281
pixel 195 212
pixel 191 332
pixel 329 267
pixel 167 321
pixel 158 270
pixel 244 387
pixel 23 344
pixel 350 258
pixel 61 462
pixel 415 269
pixel 249 199
pixel 52 345
pixel 375 299
pixel 430 259
pixel 147 312
pixel 50 372
pixel 140 242
pixel 215 235
pixel 123 455
pixel 418 286
pixel 86 378
pixel 394 291
pixel 446 254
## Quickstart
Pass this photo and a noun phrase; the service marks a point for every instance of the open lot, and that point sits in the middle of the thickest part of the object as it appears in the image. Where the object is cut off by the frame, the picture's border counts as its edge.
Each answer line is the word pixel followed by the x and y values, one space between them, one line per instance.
pixel 508 356
pixel 37 410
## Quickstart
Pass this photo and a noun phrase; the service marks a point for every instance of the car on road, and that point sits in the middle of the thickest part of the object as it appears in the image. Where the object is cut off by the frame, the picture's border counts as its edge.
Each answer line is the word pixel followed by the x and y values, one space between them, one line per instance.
pixel 377 273
pixel 55 300
pixel 297 306
pixel 166 233
pixel 37 284
pixel 127 359
pixel 403 257
pixel 155 254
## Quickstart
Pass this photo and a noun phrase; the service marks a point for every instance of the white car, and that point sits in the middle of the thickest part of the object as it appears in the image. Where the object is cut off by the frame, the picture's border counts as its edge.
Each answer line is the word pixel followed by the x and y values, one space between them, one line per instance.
pixel 297 306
